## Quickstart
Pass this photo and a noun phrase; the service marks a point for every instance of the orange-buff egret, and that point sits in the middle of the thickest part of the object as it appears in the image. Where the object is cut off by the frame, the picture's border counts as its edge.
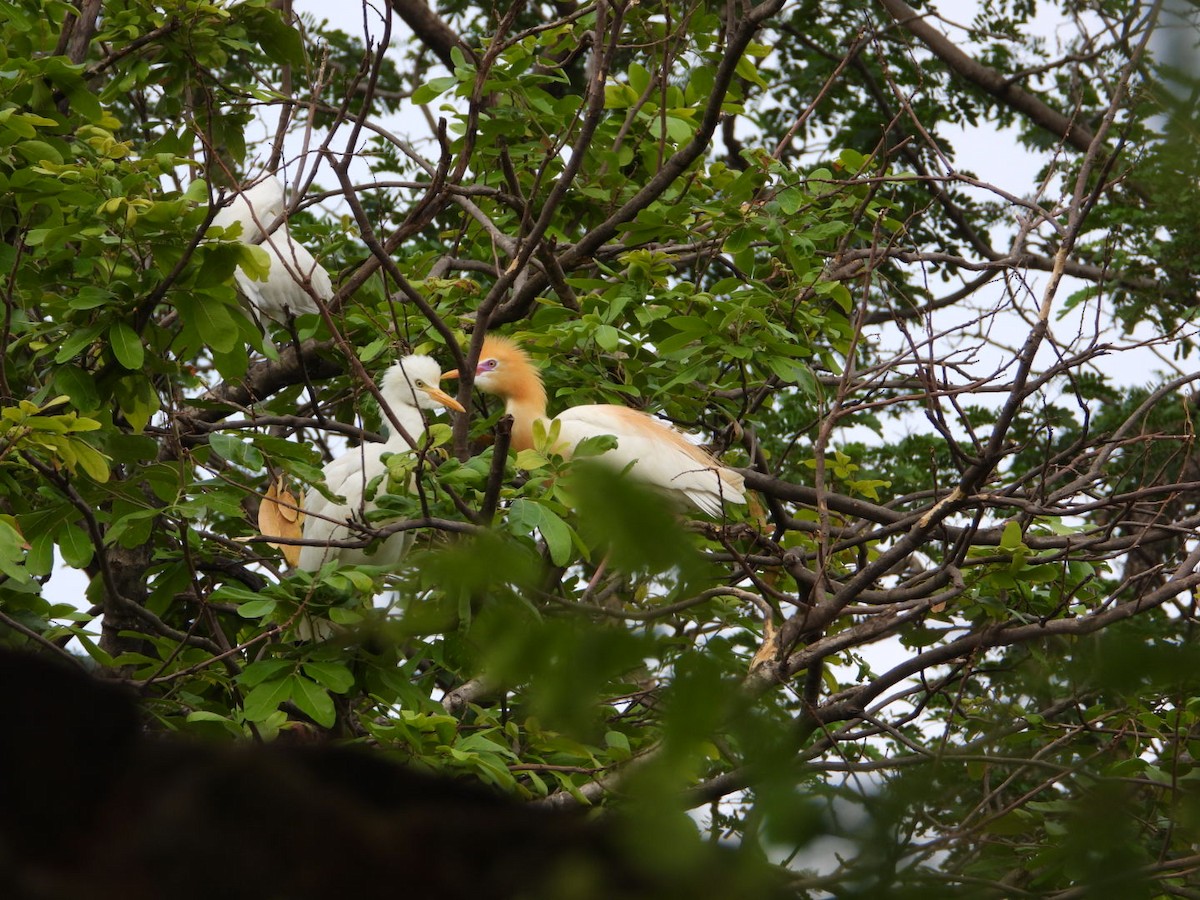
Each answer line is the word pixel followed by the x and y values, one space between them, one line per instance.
pixel 656 453
pixel 408 387
pixel 294 278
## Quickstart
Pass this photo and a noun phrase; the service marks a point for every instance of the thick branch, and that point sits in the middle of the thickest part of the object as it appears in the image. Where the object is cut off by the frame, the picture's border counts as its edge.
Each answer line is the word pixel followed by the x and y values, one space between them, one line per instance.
pixel 989 80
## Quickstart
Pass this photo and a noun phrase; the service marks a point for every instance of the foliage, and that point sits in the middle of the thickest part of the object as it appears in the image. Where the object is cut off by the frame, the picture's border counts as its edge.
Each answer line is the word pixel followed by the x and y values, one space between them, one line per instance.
pixel 951 631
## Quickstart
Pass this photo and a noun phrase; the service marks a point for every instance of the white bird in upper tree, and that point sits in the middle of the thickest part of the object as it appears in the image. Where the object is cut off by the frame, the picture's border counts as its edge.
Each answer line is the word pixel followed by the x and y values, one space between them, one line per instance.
pixel 657 453
pixel 294 279
pixel 255 209
pixel 408 387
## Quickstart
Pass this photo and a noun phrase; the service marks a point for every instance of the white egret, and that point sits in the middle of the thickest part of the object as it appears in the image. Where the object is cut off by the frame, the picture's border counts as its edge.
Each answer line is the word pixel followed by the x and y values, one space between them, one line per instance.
pixel 295 279
pixel 292 282
pixel 255 209
pixel 409 386
pixel 655 452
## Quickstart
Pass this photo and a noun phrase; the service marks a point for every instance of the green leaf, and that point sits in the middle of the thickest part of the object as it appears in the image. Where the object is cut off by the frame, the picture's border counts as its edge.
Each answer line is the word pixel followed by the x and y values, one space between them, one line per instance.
pixel 126 346
pixel 217 264
pixel 263 670
pixel 639 78
pixel 619 96
pixel 528 460
pixel 278 38
pixel 557 535
pixel 746 69
pixel 739 239
pixel 596 445
pixel 91 296
pixel 79 385
pixel 76 341
pixel 12 551
pixel 138 400
pixel 1010 540
pixel 236 450
pixel 264 700
pixel 314 701
pixel 618 745
pixel 608 337
pixel 91 460
pixel 254 262
pixel 75 546
pixel 334 676
pixel 629 520
pixel 348 617
pixel 82 100
pixel 372 350
pixel 525 515
pixel 679 130
pixel 204 715
pixel 1016 821
pixel 38 151
pixel 93 649
pixel 212 320
pixel 132 529
pixel 256 609
pixel 790 200
pixel 435 87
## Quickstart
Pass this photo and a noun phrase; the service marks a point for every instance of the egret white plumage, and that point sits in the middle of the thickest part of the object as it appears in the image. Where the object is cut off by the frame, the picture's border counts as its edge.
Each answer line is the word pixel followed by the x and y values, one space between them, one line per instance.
pixel 291 283
pixel 407 387
pixel 255 208
pixel 655 452
pixel 294 279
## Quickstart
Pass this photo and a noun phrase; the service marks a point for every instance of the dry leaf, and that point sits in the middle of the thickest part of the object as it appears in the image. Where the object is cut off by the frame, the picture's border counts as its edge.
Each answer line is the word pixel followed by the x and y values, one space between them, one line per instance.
pixel 279 515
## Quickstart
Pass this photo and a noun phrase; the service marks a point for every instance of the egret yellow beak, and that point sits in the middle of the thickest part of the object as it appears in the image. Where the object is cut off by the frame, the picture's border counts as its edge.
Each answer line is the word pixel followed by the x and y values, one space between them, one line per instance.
pixel 443 398
pixel 453 373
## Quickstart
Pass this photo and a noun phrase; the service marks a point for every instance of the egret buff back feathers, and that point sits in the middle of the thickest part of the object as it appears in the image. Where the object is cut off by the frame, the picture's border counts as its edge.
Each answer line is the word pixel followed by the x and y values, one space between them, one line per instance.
pixel 407 387
pixel 657 453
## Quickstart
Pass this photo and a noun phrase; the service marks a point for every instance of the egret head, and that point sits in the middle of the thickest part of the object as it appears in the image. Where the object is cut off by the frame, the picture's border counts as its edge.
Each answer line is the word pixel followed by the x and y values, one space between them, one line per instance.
pixel 413 381
pixel 504 369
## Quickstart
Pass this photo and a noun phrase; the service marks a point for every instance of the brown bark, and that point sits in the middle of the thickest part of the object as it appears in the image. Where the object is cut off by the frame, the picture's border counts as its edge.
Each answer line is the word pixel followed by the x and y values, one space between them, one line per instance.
pixel 78 30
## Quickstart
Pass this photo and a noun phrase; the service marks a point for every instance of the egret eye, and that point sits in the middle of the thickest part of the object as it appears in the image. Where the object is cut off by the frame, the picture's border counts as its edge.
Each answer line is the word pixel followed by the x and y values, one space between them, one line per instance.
pixel 488 364
pixel 419 383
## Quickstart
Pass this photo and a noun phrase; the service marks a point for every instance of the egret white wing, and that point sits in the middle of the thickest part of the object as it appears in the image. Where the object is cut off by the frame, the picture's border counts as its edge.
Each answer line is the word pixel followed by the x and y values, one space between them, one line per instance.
pixel 259 205
pixel 325 520
pixel 286 288
pixel 660 454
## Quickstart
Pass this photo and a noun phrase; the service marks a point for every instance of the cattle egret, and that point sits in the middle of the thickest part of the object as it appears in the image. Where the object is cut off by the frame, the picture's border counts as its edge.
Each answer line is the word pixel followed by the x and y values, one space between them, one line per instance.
pixel 294 278
pixel 255 209
pixel 292 281
pixel 407 388
pixel 655 452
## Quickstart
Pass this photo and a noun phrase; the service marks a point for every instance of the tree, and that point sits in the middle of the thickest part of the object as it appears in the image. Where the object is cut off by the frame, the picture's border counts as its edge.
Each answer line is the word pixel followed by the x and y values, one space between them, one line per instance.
pixel 745 218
